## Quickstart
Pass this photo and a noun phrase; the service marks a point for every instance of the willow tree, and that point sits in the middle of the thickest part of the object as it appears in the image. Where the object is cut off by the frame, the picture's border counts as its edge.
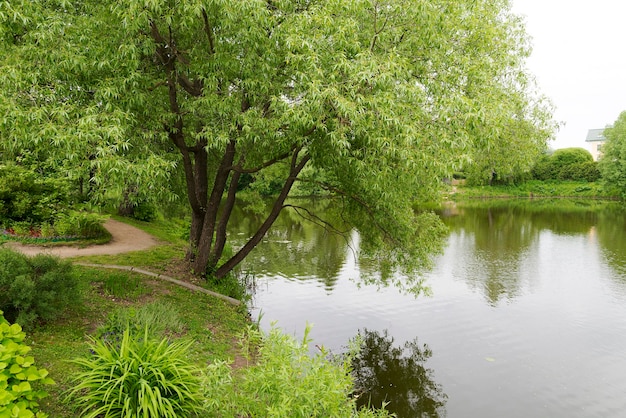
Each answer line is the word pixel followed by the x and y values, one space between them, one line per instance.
pixel 385 98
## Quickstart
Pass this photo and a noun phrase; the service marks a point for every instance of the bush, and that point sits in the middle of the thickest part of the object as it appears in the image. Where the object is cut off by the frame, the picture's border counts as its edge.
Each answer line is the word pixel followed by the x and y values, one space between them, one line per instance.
pixel 139 377
pixel 18 398
pixel 37 288
pixel 283 381
pixel 27 197
pixel 145 212
pixel 566 164
pixel 79 224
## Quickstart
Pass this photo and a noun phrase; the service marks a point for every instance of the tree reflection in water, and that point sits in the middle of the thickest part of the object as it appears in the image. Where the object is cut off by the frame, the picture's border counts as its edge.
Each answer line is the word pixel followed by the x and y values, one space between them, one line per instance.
pixel 397 375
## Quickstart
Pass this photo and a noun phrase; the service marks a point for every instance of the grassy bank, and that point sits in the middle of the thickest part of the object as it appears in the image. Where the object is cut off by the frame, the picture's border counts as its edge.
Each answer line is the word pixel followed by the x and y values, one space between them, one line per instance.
pixel 213 325
pixel 210 323
pixel 533 188
pixel 237 369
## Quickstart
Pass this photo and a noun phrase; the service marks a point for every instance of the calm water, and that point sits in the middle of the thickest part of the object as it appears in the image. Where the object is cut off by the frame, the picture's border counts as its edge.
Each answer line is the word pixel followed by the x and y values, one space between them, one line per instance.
pixel 527 316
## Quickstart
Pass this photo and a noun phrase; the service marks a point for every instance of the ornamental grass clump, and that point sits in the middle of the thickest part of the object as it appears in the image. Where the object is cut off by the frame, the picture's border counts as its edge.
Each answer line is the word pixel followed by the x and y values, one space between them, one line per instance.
pixel 137 377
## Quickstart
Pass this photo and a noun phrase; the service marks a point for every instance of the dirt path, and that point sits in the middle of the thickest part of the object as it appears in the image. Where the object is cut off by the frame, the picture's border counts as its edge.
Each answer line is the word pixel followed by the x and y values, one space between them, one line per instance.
pixel 124 238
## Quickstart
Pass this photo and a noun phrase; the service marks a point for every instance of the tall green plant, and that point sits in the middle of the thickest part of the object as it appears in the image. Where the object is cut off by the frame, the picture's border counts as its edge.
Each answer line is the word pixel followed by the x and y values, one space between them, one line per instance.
pixel 283 380
pixel 139 377
pixel 18 397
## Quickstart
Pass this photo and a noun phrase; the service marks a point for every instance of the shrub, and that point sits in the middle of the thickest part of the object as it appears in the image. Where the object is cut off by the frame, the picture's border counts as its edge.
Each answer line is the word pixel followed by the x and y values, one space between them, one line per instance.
pixel 285 380
pixel 26 196
pixel 18 398
pixel 37 288
pixel 139 377
pixel 145 212
pixel 79 224
pixel 566 164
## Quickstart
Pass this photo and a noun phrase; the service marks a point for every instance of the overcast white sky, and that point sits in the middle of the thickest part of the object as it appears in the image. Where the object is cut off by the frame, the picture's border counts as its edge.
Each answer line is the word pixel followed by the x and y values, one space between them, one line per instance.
pixel 579 60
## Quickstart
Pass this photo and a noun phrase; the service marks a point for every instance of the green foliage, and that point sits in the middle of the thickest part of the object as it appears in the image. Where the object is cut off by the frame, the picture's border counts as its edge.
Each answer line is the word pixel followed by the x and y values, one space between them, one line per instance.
pixel 161 319
pixel 566 164
pixel 613 161
pixel 33 205
pixel 580 171
pixel 26 196
pixel 138 377
pixel 18 375
pixel 567 156
pixel 283 380
pixel 35 288
pixel 79 224
pixel 110 91
pixel 146 212
pixel 536 188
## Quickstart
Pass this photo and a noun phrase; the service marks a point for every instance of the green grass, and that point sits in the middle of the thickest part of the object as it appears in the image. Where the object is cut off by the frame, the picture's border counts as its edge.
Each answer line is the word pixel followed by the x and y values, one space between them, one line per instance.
pixel 534 188
pixel 170 232
pixel 211 323
pixel 56 241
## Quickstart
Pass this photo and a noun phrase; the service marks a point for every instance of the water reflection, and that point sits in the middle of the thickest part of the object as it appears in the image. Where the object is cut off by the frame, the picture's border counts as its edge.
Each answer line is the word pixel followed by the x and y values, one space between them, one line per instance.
pixel 384 372
pixel 611 233
pixel 527 318
pixel 295 247
pixel 503 235
pixel 498 236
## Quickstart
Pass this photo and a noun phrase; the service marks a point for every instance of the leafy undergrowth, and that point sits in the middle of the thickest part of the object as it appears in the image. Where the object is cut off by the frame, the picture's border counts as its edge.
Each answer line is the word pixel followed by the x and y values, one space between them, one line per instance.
pixel 209 322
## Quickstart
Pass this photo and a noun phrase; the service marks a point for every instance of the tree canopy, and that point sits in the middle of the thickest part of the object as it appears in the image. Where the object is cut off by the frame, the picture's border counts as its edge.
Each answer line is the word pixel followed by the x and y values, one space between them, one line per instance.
pixel 375 101
pixel 566 164
pixel 612 164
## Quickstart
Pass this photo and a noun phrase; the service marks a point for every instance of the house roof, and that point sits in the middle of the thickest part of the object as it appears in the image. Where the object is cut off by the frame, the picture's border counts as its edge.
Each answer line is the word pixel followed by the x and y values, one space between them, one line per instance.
pixel 595 135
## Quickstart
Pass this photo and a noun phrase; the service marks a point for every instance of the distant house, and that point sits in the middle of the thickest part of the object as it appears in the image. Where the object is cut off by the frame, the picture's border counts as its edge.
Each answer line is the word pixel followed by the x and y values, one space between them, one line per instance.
pixel 596 139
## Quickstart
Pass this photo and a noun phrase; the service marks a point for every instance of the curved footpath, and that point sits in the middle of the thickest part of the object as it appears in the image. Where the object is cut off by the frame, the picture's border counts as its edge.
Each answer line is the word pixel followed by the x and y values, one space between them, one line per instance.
pixel 124 238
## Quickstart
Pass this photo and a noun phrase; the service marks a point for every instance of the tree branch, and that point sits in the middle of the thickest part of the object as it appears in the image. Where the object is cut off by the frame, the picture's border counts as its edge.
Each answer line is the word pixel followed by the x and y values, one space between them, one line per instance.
pixel 360 201
pixel 192 87
pixel 209 32
pixel 266 164
pixel 295 169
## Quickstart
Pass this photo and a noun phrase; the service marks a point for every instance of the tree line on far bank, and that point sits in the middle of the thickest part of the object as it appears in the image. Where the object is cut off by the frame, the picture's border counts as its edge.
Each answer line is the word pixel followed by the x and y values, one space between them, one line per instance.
pixel 565 164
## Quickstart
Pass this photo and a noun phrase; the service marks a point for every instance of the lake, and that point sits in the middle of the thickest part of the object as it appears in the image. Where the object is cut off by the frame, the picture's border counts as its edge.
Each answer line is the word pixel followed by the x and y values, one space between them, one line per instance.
pixel 526 317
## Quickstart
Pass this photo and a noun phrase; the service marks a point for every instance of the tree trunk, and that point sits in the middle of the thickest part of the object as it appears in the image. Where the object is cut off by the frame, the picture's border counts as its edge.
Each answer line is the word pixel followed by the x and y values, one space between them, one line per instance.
pixel 206 240
pixel 296 168
pixel 220 231
pixel 195 232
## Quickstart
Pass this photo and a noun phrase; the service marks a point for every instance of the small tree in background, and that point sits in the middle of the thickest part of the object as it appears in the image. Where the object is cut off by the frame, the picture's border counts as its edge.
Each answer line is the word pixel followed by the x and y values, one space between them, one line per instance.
pixel 613 161
pixel 566 164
